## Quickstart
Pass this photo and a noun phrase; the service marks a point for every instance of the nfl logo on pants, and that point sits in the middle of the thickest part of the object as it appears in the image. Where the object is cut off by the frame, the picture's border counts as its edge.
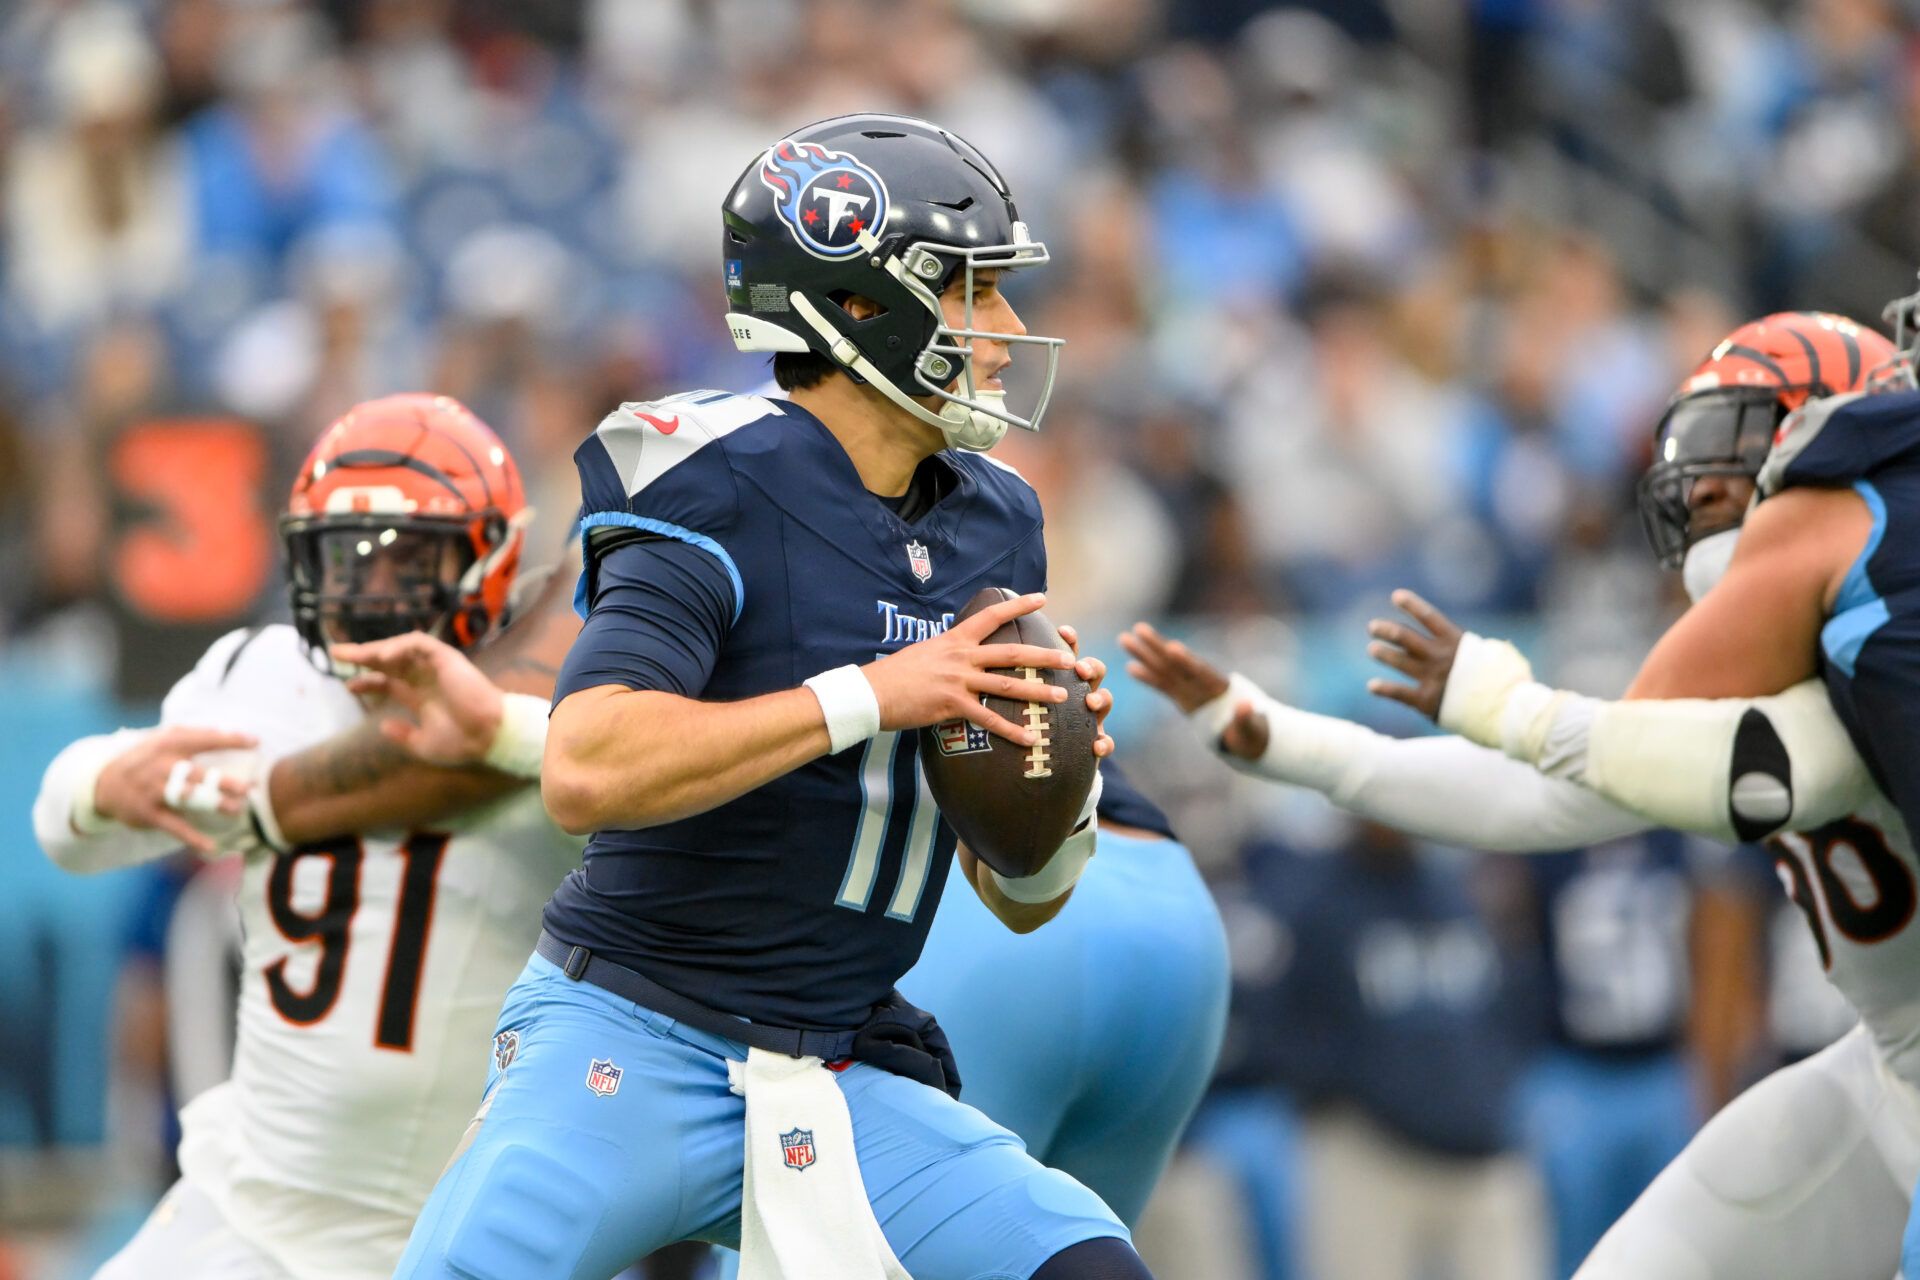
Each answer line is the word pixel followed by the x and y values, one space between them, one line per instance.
pixel 603 1077
pixel 797 1146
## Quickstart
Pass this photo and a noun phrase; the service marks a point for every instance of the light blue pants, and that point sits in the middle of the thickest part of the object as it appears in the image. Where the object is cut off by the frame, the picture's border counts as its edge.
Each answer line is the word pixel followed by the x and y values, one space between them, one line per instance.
pixel 573 1176
pixel 1094 1036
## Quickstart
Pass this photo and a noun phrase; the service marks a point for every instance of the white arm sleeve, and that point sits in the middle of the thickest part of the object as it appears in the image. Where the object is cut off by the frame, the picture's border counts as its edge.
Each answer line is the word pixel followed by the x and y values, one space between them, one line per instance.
pixel 1735 768
pixel 1440 788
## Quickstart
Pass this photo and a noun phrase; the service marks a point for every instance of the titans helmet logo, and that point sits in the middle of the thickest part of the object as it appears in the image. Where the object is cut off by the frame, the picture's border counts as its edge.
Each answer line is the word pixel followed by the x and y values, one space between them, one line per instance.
pixel 825 198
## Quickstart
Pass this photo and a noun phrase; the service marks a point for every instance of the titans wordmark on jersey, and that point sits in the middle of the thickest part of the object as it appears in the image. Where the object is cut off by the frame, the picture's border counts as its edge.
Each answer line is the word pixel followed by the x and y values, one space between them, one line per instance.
pixel 802 902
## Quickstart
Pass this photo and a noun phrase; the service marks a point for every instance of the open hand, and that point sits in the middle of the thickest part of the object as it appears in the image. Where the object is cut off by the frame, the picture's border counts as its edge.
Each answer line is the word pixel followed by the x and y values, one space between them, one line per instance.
pixel 942 678
pixel 157 783
pixel 1424 652
pixel 1192 682
pixel 455 709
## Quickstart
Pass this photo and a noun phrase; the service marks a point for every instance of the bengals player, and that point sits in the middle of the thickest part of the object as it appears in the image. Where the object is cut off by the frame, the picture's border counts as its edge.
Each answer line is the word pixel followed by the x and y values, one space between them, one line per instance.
pixel 372 963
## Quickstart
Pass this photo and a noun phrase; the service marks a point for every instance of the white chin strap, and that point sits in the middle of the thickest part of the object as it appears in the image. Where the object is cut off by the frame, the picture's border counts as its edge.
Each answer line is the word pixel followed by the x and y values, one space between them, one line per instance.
pixel 1706 562
pixel 964 428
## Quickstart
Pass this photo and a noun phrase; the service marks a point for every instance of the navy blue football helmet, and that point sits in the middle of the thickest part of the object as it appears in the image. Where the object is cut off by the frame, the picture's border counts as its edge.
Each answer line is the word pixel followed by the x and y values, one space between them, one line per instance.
pixel 896 210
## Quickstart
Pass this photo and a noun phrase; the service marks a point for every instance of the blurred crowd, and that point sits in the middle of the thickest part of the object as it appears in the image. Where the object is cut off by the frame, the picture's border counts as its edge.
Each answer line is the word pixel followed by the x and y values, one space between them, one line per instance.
pixel 1357 294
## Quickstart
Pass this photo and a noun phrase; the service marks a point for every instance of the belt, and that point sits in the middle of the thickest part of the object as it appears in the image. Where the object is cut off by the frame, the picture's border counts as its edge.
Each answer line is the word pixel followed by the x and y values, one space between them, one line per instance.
pixel 582 965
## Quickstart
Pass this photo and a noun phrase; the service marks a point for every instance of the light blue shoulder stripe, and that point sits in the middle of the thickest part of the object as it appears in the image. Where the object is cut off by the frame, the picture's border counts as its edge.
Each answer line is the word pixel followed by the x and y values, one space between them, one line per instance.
pixel 665 530
pixel 1858 610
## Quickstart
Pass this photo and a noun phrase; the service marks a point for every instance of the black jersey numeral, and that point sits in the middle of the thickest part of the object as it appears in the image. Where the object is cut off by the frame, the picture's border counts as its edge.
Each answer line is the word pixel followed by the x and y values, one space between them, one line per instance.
pixel 1817 887
pixel 331 927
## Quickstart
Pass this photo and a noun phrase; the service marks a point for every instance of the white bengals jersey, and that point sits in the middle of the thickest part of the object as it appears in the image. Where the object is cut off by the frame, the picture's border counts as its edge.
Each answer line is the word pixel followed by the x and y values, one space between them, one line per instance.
pixel 373 971
pixel 1857 882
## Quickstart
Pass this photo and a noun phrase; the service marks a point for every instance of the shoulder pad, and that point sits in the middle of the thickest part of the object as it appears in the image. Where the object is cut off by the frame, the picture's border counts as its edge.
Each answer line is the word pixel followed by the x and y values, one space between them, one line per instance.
pixel 647 439
pixel 1842 438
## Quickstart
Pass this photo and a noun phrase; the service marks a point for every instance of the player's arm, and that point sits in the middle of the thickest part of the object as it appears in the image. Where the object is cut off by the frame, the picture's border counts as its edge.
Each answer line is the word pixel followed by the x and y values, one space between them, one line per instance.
pixel 365 780
pixel 631 743
pixel 1758 631
pixel 1444 789
pixel 120 799
pixel 1690 748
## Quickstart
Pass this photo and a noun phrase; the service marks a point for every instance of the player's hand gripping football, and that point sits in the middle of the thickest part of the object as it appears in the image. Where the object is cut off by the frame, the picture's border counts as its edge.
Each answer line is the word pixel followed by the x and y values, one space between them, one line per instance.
pixel 455 709
pixel 1425 653
pixel 1192 682
pixel 1099 701
pixel 943 678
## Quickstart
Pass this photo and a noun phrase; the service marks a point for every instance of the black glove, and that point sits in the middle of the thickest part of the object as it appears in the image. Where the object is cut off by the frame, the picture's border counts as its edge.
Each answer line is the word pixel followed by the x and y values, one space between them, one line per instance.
pixel 904 1039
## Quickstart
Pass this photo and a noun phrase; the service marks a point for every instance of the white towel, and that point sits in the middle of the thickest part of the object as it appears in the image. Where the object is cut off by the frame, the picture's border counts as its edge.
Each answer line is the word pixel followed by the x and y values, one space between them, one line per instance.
pixel 804 1213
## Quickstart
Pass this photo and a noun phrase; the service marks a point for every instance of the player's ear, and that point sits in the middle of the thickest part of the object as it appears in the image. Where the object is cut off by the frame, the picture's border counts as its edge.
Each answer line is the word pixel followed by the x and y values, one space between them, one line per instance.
pixel 861 307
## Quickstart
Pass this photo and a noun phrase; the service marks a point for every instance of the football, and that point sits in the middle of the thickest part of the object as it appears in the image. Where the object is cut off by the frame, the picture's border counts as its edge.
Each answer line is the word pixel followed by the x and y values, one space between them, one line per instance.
pixel 1013 805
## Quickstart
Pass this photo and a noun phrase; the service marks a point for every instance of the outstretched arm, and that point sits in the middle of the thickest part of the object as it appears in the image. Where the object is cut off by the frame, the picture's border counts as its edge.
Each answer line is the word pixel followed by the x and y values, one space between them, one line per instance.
pixel 362 780
pixel 1441 788
pixel 1734 768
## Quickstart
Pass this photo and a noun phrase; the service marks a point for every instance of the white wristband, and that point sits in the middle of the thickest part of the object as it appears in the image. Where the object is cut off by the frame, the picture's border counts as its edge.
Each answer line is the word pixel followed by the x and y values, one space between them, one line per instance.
pixel 1485 675
pixel 87 820
pixel 1212 717
pixel 849 705
pixel 1063 869
pixel 521 740
pixel 260 806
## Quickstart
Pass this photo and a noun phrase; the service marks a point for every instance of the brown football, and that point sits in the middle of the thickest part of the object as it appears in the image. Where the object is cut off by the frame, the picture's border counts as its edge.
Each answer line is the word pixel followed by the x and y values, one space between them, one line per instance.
pixel 1013 805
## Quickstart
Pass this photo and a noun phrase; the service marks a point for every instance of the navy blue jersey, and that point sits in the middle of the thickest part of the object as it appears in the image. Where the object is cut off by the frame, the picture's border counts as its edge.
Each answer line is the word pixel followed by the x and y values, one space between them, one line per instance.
pixel 1871 642
pixel 732 551
pixel 1614 928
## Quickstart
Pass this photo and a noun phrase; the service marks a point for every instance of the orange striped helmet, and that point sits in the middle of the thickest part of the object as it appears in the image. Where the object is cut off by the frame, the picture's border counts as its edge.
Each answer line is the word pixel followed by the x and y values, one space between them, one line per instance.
pixel 1722 420
pixel 407 515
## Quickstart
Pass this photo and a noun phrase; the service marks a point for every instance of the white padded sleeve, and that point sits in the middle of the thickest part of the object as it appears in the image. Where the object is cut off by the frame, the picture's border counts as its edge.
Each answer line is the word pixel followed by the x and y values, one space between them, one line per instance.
pixel 1441 788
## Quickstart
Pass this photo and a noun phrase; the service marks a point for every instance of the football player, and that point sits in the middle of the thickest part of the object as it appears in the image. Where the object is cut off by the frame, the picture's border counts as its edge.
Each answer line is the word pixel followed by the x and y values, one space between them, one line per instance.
pixel 373 963
pixel 764 857
pixel 1139 954
pixel 1809 1172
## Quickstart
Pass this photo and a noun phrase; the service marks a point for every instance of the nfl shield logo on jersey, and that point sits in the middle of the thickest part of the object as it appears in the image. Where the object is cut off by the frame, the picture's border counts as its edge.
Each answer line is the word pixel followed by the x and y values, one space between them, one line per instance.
pixel 797 1146
pixel 603 1077
pixel 919 561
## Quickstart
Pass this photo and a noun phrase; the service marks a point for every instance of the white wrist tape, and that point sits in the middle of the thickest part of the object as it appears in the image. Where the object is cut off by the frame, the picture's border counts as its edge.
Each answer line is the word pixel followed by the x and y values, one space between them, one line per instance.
pixel 1063 869
pixel 1212 717
pixel 260 808
pixel 87 820
pixel 521 740
pixel 1486 673
pixel 848 703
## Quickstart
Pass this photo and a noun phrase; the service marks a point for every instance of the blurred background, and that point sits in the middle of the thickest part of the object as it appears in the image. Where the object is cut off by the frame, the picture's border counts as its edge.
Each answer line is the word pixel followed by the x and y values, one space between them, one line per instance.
pixel 1357 294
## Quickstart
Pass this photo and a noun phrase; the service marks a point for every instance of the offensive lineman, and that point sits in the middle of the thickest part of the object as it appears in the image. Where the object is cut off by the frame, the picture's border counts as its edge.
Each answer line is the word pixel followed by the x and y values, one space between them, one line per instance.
pixel 371 963
pixel 1809 1172
pixel 762 868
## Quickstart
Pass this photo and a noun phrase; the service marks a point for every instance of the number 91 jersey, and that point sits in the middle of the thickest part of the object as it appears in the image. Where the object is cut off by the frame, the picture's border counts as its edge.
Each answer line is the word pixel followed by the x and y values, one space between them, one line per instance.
pixel 373 970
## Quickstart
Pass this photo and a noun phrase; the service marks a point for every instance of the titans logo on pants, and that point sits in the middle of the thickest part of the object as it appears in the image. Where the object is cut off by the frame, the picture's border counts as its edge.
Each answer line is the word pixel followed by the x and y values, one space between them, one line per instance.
pixel 825 198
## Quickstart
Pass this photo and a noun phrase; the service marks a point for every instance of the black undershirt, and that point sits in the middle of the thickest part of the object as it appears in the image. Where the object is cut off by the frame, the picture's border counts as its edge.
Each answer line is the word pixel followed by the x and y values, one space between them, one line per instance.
pixel 931 482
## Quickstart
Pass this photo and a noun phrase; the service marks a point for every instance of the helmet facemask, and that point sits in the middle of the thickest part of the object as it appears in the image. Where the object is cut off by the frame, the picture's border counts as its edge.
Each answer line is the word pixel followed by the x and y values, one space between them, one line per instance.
pixel 969 418
pixel 1725 432
pixel 363 577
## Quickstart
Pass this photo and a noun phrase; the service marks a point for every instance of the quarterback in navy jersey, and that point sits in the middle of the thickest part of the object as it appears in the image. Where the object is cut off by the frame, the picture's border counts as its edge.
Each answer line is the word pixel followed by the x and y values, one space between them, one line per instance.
pixel 769 595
